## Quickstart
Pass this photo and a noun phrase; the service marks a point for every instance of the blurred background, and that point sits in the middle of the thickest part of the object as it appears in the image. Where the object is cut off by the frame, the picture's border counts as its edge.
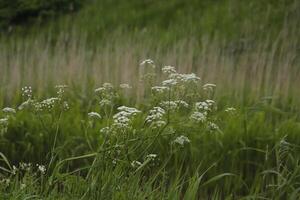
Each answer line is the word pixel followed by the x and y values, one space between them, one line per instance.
pixel 249 49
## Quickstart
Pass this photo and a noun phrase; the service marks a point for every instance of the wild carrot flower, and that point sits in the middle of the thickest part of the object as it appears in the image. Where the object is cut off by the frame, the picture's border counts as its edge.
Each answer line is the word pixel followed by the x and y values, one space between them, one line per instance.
pixel 209 87
pixel 181 140
pixel 41 168
pixel 156 113
pixel 9 110
pixel 230 110
pixel 4 121
pixel 168 69
pixel 136 164
pixel 198 117
pixel 151 156
pixel 94 115
pixel 26 104
pixel 212 126
pixel 27 92
pixel 147 61
pixel 122 118
pixel 159 89
pixel 125 86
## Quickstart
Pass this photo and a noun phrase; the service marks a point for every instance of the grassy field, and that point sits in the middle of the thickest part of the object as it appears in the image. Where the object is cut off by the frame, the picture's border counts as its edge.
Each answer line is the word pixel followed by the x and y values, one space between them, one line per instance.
pixel 153 100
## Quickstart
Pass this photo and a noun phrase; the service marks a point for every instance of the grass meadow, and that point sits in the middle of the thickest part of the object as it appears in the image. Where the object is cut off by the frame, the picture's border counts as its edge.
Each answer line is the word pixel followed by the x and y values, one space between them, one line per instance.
pixel 132 105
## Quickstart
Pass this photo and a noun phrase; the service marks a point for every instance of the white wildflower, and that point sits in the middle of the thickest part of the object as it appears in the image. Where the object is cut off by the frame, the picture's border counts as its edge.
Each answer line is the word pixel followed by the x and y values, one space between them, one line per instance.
pixel 170 82
pixel 4 121
pixel 135 164
pixel 9 110
pixel 151 156
pixel 206 105
pixel 190 78
pixel 25 166
pixel 27 92
pixel 14 170
pixel 230 110
pixel 60 89
pixel 158 124
pixel 94 115
pixel 160 89
pixel 105 102
pixel 41 168
pixel 181 140
pixel 198 117
pixel 26 104
pixel 106 87
pixel 66 105
pixel 48 103
pixel 122 118
pixel 212 126
pixel 209 87
pixel 131 111
pixel 155 113
pixel 125 86
pixel 147 61
pixel 168 69
pixel 170 105
pixel 105 130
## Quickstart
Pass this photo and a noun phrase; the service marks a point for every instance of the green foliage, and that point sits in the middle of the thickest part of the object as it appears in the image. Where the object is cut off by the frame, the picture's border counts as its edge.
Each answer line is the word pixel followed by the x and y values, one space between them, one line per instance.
pixel 190 147
pixel 20 11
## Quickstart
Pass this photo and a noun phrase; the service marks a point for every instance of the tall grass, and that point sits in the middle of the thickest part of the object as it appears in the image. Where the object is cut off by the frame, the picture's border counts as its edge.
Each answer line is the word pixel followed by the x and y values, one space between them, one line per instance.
pixel 244 70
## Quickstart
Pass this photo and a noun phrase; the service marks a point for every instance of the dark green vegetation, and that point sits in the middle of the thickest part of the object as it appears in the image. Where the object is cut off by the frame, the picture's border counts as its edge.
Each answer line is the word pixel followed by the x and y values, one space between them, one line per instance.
pixel 249 49
pixel 16 12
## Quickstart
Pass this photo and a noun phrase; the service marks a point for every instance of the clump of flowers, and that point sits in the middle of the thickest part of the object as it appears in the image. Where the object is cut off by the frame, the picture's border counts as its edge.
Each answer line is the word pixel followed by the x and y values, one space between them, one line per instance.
pixel 155 117
pixel 230 110
pixel 198 117
pixel 181 140
pixel 148 62
pixel 60 90
pixel 122 118
pixel 160 89
pixel 136 164
pixel 94 115
pixel 125 86
pixel 27 92
pixel 8 110
pixel 174 105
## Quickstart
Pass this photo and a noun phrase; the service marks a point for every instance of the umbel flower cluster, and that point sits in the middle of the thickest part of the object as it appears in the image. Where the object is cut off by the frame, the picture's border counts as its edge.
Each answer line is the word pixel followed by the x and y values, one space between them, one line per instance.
pixel 177 102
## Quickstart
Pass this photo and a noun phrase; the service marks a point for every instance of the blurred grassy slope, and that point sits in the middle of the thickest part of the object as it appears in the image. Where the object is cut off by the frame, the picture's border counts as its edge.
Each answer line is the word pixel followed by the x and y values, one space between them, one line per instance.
pixel 176 18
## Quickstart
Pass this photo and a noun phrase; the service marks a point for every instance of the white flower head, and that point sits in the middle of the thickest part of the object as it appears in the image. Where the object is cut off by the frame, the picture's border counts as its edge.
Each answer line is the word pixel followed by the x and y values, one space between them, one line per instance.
pixel 9 110
pixel 230 110
pixel 27 92
pixel 125 86
pixel 198 117
pixel 155 114
pixel 212 126
pixel 151 156
pixel 4 121
pixel 94 115
pixel 26 104
pixel 209 87
pixel 147 61
pixel 190 78
pixel 41 168
pixel 136 164
pixel 105 102
pixel 60 89
pixel 122 118
pixel 181 140
pixel 170 82
pixel 160 89
pixel 168 69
